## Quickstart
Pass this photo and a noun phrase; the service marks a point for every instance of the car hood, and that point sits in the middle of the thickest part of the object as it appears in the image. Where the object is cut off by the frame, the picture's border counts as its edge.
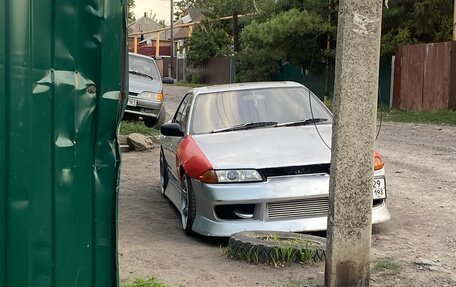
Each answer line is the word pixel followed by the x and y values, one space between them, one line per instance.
pixel 139 84
pixel 267 147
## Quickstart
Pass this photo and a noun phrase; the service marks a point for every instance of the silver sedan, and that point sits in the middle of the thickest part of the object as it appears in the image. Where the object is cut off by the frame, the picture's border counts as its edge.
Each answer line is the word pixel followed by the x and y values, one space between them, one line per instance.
pixel 253 157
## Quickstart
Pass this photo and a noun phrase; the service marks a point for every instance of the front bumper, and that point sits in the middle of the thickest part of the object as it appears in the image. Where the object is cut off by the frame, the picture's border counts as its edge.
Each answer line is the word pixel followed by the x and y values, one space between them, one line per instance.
pixel 263 194
pixel 144 107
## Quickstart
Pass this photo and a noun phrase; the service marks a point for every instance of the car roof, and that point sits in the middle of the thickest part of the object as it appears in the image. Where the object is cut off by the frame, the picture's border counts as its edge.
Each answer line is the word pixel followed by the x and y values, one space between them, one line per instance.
pixel 141 56
pixel 245 86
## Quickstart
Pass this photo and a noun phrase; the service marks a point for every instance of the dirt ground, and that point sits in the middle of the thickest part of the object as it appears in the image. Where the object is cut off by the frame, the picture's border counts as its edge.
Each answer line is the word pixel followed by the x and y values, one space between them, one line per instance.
pixel 421 177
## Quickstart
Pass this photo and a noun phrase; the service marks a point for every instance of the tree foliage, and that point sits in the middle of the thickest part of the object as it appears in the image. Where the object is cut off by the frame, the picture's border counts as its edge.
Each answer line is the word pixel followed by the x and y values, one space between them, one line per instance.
pixel 416 21
pixel 162 23
pixel 214 9
pixel 207 43
pixel 131 16
pixel 286 31
pixel 214 36
pixel 298 31
pixel 183 5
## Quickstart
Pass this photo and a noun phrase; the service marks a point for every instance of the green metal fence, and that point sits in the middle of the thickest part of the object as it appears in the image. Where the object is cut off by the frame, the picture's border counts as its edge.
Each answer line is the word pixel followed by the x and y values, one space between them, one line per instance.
pixel 61 85
pixel 315 81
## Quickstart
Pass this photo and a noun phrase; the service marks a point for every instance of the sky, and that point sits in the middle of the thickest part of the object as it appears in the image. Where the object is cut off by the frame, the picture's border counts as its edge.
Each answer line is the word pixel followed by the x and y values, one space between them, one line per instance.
pixel 160 7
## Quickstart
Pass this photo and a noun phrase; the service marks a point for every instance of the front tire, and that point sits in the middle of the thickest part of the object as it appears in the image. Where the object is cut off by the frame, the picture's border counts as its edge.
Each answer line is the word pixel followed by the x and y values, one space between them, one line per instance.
pixel 188 205
pixel 163 174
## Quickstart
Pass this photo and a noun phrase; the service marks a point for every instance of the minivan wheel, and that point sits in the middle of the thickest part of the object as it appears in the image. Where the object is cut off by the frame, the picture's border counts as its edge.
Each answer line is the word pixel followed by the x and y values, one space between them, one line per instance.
pixel 161 119
pixel 155 123
pixel 150 122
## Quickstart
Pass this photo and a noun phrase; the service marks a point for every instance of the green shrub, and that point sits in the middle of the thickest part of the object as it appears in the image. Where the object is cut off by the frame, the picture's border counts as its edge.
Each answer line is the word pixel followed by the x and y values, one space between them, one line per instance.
pixel 189 77
pixel 196 79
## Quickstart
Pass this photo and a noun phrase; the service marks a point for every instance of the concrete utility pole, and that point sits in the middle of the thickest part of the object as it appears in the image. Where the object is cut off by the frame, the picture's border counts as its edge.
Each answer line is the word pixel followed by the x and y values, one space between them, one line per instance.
pixel 350 198
pixel 328 48
pixel 171 74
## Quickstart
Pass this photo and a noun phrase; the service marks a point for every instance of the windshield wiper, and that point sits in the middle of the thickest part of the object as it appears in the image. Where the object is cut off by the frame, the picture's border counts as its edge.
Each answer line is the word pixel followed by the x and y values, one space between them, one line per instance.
pixel 246 127
pixel 302 122
pixel 140 74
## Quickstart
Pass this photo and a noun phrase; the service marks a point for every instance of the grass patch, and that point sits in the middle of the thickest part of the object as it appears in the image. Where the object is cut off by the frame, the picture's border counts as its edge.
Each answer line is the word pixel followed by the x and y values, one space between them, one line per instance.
pixel 292 241
pixel 129 127
pixel 187 84
pixel 387 265
pixel 280 256
pixel 151 282
pixel 446 117
pixel 251 255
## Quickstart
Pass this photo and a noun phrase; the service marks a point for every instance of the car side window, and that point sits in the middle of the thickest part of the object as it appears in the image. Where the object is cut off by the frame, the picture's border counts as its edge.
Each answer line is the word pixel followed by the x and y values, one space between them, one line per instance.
pixel 178 116
pixel 186 112
pixel 183 111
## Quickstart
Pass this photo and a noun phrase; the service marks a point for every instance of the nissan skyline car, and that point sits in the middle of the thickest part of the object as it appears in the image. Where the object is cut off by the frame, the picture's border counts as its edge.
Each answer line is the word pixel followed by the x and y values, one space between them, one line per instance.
pixel 253 156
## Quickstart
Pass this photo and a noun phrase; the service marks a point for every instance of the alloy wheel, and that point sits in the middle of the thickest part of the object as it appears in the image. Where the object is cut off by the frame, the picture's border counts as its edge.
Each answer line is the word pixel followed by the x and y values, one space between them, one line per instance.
pixel 184 202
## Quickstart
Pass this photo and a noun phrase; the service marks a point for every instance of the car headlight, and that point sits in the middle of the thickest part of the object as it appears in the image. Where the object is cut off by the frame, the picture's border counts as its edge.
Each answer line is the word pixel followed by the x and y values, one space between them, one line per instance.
pixel 152 96
pixel 378 161
pixel 231 176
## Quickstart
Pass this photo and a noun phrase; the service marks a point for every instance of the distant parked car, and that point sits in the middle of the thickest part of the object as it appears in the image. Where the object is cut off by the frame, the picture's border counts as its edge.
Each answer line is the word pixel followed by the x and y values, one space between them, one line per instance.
pixel 253 157
pixel 146 96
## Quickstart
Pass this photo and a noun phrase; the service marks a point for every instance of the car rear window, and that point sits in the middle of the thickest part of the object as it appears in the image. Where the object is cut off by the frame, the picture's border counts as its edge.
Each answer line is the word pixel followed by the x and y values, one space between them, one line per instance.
pixel 144 66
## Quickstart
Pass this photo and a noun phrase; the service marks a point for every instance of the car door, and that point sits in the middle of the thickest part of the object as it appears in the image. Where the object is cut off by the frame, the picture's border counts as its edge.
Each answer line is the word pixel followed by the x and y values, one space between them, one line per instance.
pixel 181 117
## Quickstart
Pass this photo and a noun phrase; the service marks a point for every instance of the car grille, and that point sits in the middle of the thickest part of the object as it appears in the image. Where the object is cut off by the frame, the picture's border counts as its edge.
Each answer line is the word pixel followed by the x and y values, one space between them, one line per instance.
pixel 315 207
pixel 305 208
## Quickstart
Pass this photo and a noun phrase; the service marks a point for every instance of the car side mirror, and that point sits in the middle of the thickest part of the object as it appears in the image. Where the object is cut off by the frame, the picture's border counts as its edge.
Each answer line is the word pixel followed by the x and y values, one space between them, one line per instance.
pixel 168 80
pixel 172 130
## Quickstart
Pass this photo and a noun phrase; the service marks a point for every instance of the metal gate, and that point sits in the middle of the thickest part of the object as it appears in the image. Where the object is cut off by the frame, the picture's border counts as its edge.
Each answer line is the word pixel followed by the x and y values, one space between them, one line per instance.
pixel 62 88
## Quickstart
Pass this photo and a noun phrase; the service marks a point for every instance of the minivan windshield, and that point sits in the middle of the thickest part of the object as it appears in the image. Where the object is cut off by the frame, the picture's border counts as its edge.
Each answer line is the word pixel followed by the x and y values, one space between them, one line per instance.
pixel 143 67
pixel 256 108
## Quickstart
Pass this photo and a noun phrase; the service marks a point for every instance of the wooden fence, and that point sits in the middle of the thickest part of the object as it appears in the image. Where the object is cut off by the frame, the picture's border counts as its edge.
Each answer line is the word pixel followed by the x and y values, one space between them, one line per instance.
pixel 215 71
pixel 425 77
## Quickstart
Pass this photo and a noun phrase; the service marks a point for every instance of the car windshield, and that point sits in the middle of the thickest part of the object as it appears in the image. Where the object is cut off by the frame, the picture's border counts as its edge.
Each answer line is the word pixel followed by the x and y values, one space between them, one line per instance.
pixel 256 108
pixel 144 67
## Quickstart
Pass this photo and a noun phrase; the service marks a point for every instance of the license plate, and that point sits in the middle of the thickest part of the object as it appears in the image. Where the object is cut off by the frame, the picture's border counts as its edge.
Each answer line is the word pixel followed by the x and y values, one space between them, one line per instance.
pixel 379 189
pixel 132 103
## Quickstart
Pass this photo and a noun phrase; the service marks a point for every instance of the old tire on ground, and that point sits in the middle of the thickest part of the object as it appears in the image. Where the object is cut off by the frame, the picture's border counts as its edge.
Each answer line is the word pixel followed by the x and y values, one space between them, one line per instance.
pixel 277 247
